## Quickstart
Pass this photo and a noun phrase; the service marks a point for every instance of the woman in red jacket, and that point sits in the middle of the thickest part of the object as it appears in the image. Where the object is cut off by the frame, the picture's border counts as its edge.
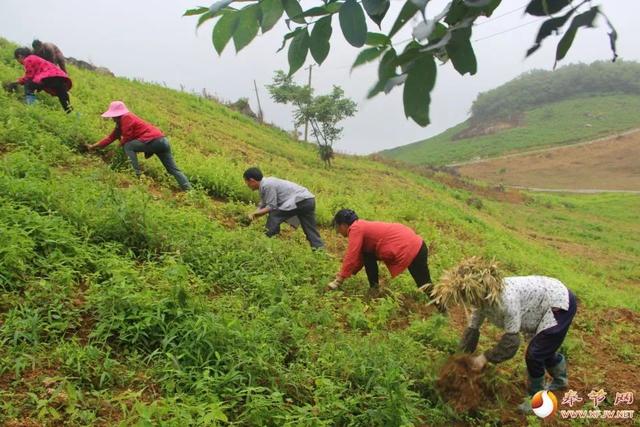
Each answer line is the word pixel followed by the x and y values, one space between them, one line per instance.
pixel 398 246
pixel 137 136
pixel 40 74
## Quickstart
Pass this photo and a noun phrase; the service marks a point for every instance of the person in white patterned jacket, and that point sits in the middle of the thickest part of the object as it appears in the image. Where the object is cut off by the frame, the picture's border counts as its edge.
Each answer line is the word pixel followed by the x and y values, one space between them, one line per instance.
pixel 534 305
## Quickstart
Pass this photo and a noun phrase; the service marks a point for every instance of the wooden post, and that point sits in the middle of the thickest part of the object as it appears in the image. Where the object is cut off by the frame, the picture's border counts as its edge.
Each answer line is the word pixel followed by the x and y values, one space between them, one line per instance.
pixel 306 124
pixel 260 114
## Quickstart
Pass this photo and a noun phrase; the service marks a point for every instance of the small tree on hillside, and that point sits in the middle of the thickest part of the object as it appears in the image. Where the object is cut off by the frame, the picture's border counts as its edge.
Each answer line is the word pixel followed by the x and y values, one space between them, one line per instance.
pixel 323 112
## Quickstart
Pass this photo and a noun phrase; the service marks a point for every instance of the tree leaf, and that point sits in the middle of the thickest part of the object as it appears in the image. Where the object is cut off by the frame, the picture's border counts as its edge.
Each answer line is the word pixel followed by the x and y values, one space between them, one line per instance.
pixel 367 55
pixel 376 9
pixel 406 13
pixel 195 11
pixel 377 39
pixel 289 36
pixel 547 28
pixel 461 53
pixel 546 7
pixel 353 23
pixel 224 29
pixel 204 18
pixel 583 20
pixel 271 12
pixel 298 50
pixel 416 95
pixel 219 5
pixel 613 37
pixel 247 27
pixel 294 11
pixel 319 42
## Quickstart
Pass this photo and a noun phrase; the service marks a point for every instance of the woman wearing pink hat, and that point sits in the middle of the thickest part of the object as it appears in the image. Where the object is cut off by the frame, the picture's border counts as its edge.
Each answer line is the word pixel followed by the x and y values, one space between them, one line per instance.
pixel 137 136
pixel 40 74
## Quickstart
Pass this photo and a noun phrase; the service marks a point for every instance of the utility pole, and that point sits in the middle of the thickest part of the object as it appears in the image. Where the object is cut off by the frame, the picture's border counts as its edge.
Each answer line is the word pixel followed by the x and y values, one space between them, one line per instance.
pixel 306 124
pixel 260 114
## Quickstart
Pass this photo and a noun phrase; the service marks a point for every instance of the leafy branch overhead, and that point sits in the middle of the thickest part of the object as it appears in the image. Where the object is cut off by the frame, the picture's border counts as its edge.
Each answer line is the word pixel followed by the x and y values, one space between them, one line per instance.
pixel 445 35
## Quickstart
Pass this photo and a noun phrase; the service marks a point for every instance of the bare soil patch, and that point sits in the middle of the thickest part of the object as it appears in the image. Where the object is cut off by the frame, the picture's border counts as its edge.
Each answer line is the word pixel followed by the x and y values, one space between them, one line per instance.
pixel 609 164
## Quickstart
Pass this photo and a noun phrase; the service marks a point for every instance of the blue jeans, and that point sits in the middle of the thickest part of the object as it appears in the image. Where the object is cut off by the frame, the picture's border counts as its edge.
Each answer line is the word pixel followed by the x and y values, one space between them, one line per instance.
pixel 160 147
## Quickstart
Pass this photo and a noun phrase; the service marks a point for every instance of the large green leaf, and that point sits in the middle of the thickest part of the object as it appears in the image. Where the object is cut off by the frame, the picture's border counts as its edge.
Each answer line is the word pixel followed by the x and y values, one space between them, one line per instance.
pixel 377 39
pixel 546 7
pixel 367 55
pixel 247 27
pixel 353 23
pixel 547 28
pixel 298 51
pixel 223 30
pixel 416 96
pixel 196 11
pixel 294 11
pixel 376 9
pixel 583 20
pixel 319 42
pixel 271 12
pixel 204 18
pixel 406 13
pixel 461 52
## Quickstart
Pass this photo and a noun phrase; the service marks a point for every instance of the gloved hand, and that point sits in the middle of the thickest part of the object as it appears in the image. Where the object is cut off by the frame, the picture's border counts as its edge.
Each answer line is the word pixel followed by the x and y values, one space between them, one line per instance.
pixel 335 284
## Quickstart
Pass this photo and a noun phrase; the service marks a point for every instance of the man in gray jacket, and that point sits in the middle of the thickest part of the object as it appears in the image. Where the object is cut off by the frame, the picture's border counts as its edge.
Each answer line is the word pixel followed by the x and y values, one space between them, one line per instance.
pixel 282 201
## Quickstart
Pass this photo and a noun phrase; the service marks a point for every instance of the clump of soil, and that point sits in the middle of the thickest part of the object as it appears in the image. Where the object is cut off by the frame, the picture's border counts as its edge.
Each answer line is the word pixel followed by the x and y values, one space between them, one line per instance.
pixel 462 388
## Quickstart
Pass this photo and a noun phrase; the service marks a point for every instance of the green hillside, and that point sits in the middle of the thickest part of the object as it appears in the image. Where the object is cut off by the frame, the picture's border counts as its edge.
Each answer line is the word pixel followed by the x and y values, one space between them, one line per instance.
pixel 126 303
pixel 536 110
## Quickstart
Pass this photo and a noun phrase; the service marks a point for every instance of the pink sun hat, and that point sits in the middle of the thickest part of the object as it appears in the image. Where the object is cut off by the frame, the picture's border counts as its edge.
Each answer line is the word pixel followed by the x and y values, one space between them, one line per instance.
pixel 116 109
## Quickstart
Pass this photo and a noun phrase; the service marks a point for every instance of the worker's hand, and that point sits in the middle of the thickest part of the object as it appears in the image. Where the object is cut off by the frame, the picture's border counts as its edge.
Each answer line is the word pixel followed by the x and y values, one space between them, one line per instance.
pixel 334 285
pixel 478 363
pixel 90 147
pixel 251 216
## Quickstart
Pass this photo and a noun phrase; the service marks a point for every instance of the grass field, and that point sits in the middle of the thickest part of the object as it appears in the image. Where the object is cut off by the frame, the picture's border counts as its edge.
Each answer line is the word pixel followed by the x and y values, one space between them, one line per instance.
pixel 556 124
pixel 126 303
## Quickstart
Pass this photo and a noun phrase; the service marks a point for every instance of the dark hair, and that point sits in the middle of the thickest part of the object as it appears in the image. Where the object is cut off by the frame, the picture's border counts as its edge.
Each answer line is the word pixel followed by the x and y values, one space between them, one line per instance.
pixel 21 52
pixel 36 44
pixel 344 216
pixel 253 173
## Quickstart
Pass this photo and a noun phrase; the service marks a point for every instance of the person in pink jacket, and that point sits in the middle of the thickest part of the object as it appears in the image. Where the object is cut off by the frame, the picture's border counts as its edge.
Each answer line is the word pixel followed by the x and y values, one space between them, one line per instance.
pixel 398 246
pixel 40 74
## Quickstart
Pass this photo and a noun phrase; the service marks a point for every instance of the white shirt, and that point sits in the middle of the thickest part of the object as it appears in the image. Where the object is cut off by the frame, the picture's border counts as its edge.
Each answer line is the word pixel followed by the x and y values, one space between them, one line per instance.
pixel 282 195
pixel 525 305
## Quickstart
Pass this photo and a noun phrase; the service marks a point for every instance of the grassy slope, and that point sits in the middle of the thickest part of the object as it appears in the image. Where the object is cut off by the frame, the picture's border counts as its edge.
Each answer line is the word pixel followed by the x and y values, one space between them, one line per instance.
pixel 555 124
pixel 124 302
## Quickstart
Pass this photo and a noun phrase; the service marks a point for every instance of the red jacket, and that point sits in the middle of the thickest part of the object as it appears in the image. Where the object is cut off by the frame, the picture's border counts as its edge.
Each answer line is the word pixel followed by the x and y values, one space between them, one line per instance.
pixel 36 69
pixel 395 244
pixel 132 128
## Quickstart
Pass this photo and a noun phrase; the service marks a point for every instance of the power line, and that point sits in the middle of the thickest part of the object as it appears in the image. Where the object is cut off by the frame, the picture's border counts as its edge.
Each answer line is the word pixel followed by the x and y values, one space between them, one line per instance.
pixel 508 30
pixel 493 18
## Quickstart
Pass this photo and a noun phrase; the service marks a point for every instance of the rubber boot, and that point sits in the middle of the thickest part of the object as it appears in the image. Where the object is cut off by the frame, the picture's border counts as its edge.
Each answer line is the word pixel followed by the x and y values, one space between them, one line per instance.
pixel 30 99
pixel 535 385
pixel 559 375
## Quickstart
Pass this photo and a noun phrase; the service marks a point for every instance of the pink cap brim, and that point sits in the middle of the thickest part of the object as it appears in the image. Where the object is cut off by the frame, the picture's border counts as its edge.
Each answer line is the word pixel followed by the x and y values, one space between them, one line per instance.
pixel 110 114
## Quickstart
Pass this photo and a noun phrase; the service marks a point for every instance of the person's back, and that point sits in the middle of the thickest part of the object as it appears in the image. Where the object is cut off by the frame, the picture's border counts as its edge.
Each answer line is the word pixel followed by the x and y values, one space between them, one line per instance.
pixel 282 194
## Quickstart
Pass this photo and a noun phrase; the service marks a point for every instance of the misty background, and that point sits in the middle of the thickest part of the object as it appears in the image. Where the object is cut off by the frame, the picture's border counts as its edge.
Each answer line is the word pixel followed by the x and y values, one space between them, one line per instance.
pixel 151 40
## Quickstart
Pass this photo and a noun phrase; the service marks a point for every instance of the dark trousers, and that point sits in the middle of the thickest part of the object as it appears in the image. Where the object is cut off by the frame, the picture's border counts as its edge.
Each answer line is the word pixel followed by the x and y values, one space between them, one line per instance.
pixel 57 85
pixel 306 213
pixel 161 148
pixel 542 350
pixel 419 267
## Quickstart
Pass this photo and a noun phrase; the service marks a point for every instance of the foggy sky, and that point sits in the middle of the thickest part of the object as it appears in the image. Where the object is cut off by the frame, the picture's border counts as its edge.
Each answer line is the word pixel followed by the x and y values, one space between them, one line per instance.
pixel 150 40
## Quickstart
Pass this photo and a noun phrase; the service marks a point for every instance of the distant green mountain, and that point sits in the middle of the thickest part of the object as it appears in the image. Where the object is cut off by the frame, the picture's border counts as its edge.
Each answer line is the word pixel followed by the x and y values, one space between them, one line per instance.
pixel 537 109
